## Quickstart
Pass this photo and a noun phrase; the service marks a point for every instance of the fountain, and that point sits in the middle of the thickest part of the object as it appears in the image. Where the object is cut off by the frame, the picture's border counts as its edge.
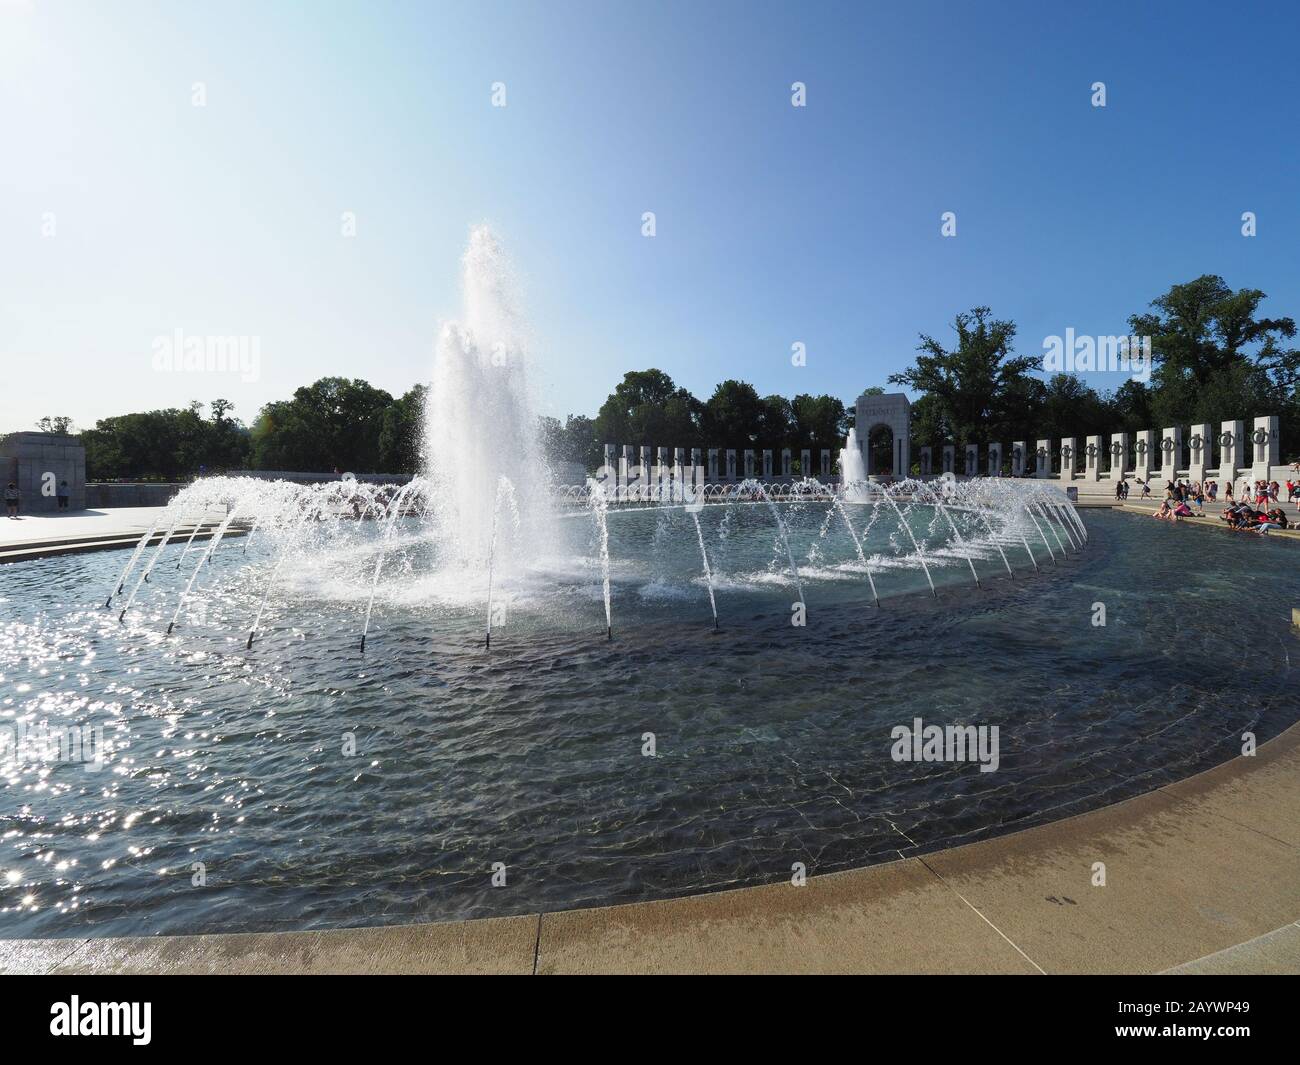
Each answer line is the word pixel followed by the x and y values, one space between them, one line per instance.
pixel 363 610
pixel 442 530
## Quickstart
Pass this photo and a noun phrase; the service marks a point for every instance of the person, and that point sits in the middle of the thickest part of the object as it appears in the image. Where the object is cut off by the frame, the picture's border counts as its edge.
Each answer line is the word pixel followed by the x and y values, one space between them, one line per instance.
pixel 11 500
pixel 1227 492
pixel 1146 488
pixel 1164 512
pixel 64 494
pixel 1119 489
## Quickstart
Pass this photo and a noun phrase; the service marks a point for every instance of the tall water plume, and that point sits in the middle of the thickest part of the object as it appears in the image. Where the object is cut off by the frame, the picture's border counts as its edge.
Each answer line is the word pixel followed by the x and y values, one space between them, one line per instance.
pixel 480 416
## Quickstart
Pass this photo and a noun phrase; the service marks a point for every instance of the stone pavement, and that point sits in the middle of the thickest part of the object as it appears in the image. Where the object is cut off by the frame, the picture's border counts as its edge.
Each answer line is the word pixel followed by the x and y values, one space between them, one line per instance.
pixel 41 535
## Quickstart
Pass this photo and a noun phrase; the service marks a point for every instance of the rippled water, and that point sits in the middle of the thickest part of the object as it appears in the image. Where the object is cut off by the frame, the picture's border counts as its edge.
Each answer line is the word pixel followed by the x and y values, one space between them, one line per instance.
pixel 773 742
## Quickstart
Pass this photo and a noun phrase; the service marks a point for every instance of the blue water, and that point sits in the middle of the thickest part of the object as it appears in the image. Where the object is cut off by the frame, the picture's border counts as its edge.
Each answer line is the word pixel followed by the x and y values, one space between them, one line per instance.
pixel 773 741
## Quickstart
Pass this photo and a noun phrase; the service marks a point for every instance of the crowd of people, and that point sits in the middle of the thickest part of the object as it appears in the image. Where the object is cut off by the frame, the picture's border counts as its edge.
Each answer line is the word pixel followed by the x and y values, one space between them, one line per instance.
pixel 1256 507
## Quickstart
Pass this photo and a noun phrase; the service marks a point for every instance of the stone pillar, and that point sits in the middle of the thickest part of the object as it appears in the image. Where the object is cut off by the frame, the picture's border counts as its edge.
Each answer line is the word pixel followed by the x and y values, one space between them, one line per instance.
pixel 1199 445
pixel 749 462
pixel 826 462
pixel 1171 451
pixel 1143 454
pixel 949 458
pixel 785 462
pixel 767 464
pixel 1018 455
pixel 1118 451
pixel 972 460
pixel 995 460
pixel 805 463
pixel 610 450
pixel 646 461
pixel 1265 448
pixel 1067 458
pixel 731 464
pixel 1043 459
pixel 713 464
pixel 1231 435
pixel 679 456
pixel 1092 459
pixel 925 460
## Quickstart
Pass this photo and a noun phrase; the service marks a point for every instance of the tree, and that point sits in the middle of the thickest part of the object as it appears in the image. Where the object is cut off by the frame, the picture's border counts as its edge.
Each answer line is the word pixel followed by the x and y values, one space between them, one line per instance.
pixel 1068 407
pixel 573 441
pixel 60 424
pixel 401 433
pixel 332 424
pixel 776 424
pixel 977 387
pixel 733 415
pixel 1202 328
pixel 171 444
pixel 819 422
pixel 1214 359
pixel 646 407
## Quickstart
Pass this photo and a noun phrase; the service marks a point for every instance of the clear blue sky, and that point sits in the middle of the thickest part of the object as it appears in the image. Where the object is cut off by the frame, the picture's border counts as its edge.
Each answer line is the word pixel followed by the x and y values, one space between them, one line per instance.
pixel 775 224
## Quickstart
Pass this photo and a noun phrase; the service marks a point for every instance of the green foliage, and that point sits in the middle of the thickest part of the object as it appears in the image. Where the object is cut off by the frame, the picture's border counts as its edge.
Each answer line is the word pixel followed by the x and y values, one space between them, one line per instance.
pixel 819 422
pixel 1215 360
pixel 733 416
pixel 60 424
pixel 979 388
pixel 401 433
pixel 646 407
pixel 573 441
pixel 335 423
pixel 167 445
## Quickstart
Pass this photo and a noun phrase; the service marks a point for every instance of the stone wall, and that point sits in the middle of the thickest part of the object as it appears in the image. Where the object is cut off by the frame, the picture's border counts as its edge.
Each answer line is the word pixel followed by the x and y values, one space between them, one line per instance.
pixel 109 494
pixel 37 463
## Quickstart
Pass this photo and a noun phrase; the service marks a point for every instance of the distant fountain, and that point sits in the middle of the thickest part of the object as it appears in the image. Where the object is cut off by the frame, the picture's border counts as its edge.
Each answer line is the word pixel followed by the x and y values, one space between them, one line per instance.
pixel 853 470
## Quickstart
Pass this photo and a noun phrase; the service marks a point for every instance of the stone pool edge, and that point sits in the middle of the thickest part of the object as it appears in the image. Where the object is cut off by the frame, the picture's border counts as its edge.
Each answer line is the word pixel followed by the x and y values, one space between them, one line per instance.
pixel 1202 875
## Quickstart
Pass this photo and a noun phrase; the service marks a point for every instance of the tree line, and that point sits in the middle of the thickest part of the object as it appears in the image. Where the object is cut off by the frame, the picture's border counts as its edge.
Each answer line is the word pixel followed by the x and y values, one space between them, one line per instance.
pixel 333 424
pixel 1214 358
